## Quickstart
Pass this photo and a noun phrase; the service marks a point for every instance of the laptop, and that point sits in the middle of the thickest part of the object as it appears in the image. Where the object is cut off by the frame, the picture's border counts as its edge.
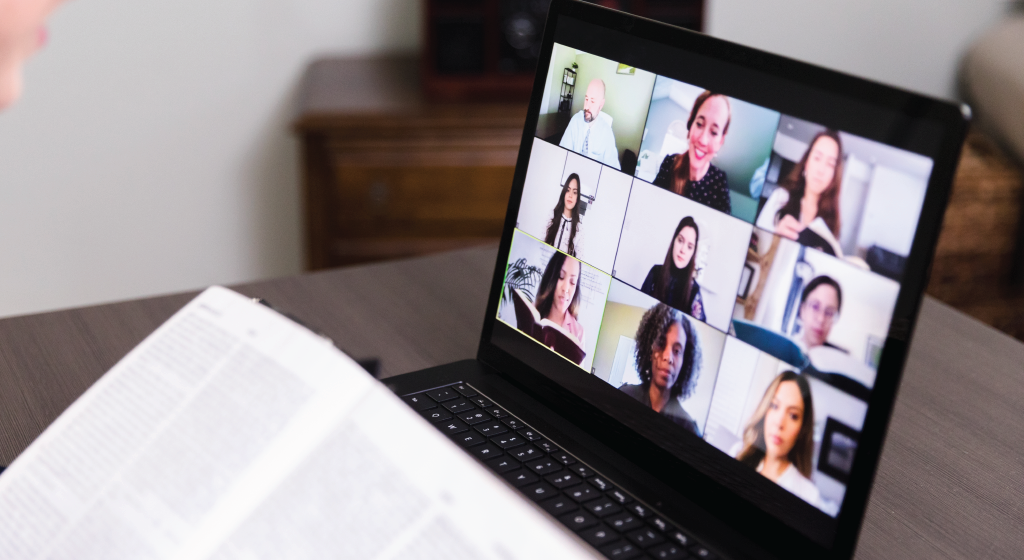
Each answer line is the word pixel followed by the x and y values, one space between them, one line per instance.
pixel 707 283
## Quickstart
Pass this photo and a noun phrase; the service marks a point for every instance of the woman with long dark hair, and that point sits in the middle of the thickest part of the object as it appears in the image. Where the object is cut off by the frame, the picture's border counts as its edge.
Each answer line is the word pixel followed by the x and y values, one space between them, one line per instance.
pixel 558 297
pixel 778 441
pixel 809 192
pixel 668 360
pixel 565 231
pixel 691 173
pixel 674 281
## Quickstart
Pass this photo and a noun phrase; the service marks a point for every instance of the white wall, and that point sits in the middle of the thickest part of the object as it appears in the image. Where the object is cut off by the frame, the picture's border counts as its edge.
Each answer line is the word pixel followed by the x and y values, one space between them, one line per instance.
pixel 915 44
pixel 152 151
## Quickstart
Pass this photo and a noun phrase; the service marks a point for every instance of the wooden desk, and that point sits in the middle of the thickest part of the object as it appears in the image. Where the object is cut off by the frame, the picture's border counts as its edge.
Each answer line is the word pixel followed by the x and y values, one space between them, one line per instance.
pixel 951 480
pixel 387 174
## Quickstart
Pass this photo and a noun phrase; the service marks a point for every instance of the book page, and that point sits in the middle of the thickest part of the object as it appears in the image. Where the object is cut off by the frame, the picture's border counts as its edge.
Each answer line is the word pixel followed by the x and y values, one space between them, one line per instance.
pixel 229 415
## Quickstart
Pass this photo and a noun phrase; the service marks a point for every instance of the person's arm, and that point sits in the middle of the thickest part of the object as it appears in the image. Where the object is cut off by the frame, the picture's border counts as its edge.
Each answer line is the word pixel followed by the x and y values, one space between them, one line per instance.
pixel 648 286
pixel 775 202
pixel 611 151
pixel 577 242
pixel 697 304
pixel 569 137
pixel 726 199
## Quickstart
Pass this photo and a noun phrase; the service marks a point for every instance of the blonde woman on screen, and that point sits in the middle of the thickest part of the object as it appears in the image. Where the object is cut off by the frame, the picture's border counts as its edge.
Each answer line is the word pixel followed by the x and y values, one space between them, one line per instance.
pixel 22 33
pixel 779 439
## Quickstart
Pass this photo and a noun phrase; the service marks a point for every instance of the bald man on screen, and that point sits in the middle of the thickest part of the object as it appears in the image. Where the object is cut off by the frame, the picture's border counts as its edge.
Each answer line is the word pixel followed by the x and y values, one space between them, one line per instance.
pixel 590 135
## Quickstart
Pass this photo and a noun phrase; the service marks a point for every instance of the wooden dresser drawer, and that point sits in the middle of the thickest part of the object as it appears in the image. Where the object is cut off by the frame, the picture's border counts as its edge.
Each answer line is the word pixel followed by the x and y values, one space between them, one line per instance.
pixel 387 175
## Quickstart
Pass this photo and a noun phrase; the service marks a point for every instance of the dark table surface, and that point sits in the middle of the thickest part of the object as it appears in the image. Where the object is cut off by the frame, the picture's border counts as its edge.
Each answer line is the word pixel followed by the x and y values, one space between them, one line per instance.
pixel 950 483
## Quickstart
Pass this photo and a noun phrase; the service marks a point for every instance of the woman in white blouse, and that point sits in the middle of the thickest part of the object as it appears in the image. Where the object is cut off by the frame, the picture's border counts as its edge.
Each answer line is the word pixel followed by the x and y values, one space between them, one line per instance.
pixel 779 439
pixel 565 230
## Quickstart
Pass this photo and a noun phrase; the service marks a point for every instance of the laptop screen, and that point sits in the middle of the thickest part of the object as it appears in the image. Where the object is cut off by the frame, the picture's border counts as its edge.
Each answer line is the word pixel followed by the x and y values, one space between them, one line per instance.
pixel 714 255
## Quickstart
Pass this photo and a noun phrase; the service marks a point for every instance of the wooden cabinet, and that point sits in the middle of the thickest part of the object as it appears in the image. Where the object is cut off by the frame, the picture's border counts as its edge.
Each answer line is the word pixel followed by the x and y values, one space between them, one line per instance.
pixel 387 174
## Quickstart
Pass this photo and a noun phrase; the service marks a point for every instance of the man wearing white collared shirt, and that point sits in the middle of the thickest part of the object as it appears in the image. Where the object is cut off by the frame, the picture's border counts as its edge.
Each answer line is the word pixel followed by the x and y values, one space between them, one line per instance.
pixel 589 135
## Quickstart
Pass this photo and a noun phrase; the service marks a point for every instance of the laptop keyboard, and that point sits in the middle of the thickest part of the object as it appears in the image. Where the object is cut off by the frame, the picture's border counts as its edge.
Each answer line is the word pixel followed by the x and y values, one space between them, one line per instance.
pixel 612 520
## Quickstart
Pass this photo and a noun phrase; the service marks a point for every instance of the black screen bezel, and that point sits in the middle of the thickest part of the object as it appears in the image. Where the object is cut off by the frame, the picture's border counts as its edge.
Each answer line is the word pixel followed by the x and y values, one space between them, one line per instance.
pixel 824 96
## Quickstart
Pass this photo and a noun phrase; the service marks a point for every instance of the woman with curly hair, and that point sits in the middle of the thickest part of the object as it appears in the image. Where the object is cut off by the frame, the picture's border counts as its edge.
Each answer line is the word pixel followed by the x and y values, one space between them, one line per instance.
pixel 668 359
pixel 779 439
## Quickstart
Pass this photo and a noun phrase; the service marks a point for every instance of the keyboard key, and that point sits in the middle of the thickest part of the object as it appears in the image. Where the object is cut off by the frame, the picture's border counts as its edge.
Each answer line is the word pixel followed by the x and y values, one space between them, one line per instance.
pixel 530 435
pixel 496 412
pixel 442 395
pixel 521 477
pixel 465 390
pixel 577 521
pixel 481 402
pixel 508 441
pixel 526 453
pixel 564 458
pixel 621 551
pixel 602 507
pixel 540 491
pixel 563 480
pixel 659 523
pixel 624 521
pixel 419 402
pixel 680 537
pixel 514 424
pixel 701 552
pixel 453 427
pixel 485 451
pixel 640 510
pixel 559 505
pixel 469 439
pixel 547 446
pixel 600 535
pixel 645 537
pixel 581 470
pixel 491 428
pixel 502 464
pixel 474 417
pixel 601 484
pixel 620 496
pixel 583 494
pixel 667 551
pixel 456 407
pixel 544 466
pixel 436 414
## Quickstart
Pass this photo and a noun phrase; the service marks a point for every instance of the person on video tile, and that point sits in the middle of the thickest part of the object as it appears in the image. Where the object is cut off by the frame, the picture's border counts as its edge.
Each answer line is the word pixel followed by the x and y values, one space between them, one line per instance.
pixel 673 281
pixel 558 297
pixel 810 191
pixel 588 133
pixel 668 359
pixel 565 231
pixel 778 442
pixel 691 173
pixel 820 303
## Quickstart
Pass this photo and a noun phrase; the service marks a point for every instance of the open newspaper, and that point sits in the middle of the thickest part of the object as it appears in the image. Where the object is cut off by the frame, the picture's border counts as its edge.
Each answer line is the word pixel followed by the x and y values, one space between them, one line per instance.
pixel 230 433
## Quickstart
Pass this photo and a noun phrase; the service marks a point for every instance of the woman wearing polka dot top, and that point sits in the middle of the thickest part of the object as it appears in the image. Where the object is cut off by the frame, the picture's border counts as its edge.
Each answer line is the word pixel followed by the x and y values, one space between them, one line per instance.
pixel 691 173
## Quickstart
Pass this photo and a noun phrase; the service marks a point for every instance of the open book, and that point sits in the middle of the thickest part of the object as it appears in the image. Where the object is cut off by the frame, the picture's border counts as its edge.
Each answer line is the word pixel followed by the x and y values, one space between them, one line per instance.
pixel 232 432
pixel 549 333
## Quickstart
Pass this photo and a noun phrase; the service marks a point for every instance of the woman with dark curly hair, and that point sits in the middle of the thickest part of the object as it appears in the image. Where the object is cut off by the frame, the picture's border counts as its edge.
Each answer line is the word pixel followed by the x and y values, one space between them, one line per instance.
pixel 668 359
